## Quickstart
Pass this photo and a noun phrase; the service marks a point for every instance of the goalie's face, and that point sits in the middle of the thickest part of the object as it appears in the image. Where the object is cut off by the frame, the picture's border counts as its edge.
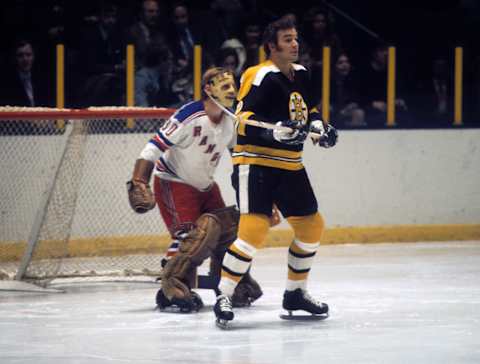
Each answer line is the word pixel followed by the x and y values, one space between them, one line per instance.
pixel 223 89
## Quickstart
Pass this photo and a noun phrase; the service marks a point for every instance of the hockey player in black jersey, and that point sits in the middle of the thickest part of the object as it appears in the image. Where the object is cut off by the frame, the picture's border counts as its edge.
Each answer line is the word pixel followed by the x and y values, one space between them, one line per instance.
pixel 268 170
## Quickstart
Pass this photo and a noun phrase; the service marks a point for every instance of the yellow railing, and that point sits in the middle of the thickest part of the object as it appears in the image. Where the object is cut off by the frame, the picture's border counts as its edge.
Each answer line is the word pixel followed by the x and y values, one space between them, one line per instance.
pixel 326 76
pixel 197 72
pixel 60 97
pixel 130 81
pixel 391 86
pixel 326 73
pixel 457 120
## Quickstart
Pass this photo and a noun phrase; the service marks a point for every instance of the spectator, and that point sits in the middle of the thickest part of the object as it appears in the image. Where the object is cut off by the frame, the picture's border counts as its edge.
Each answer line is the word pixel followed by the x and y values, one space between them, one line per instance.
pixel 344 101
pixel 183 35
pixel 318 32
pixel 315 85
pixel 252 40
pixel 434 95
pixel 228 59
pixel 147 30
pixel 247 45
pixel 101 45
pixel 24 84
pixel 228 15
pixel 473 87
pixel 153 81
pixel 103 52
pixel 374 90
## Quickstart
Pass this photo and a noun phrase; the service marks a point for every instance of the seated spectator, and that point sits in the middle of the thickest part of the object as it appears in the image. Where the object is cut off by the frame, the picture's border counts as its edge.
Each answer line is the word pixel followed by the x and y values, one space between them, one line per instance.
pixel 147 30
pixel 23 84
pixel 434 95
pixel 103 52
pixel 102 48
pixel 183 34
pixel 247 45
pixel 305 59
pixel 227 15
pixel 373 83
pixel 237 45
pixel 472 102
pixel 344 101
pixel 228 59
pixel 317 32
pixel 153 81
pixel 252 40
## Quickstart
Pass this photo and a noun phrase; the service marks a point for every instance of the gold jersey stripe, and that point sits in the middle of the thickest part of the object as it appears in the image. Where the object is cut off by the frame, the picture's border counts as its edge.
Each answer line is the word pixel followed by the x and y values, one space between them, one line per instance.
pixel 241 126
pixel 267 151
pixel 268 163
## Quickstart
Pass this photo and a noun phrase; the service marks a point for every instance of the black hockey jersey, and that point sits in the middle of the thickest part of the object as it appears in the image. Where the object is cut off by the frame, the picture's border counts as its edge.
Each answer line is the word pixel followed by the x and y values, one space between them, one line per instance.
pixel 266 94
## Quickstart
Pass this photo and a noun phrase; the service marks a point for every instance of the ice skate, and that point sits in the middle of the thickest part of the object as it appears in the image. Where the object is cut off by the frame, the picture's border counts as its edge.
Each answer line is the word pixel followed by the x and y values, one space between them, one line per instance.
pixel 223 311
pixel 300 300
pixel 194 304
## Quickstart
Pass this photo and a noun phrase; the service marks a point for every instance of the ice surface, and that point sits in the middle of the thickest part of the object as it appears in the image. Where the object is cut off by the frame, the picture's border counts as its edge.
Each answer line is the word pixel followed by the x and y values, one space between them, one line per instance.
pixel 390 303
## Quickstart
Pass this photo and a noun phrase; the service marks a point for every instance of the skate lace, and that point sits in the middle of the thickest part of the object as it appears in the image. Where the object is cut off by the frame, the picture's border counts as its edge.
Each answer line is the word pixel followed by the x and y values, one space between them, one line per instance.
pixel 225 304
pixel 310 299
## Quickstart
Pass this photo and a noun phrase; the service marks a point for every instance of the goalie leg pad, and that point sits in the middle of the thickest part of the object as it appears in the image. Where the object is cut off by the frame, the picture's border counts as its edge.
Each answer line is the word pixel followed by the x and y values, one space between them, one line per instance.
pixel 176 278
pixel 229 218
pixel 200 242
pixel 179 274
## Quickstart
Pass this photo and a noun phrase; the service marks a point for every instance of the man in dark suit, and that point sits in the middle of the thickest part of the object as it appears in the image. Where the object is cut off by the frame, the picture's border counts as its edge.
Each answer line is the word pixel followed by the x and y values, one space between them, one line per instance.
pixel 24 85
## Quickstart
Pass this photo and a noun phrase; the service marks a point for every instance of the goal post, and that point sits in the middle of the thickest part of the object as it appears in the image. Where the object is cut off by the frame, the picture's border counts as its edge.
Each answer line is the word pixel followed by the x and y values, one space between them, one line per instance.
pixel 64 209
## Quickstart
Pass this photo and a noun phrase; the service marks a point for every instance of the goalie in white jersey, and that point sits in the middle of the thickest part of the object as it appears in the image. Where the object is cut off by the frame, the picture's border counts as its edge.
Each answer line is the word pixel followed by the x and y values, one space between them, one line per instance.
pixel 183 156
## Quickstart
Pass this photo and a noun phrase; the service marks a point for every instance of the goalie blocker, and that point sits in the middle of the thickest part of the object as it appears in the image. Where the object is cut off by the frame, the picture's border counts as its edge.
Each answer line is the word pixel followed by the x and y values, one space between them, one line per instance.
pixel 212 234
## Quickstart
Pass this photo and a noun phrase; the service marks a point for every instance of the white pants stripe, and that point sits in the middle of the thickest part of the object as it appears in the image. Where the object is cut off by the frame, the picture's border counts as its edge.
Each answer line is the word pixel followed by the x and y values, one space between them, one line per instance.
pixel 243 173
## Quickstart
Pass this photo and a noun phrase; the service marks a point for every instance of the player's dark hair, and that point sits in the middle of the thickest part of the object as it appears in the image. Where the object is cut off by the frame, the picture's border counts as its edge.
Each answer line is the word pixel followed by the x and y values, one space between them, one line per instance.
pixel 270 35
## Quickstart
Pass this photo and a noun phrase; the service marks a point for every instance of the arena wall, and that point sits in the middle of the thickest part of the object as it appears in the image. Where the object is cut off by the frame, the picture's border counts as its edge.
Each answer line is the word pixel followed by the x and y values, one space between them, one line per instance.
pixel 385 185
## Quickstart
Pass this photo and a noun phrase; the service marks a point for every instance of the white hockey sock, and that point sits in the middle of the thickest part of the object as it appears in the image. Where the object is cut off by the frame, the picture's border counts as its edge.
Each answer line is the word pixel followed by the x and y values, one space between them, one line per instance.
pixel 235 264
pixel 300 260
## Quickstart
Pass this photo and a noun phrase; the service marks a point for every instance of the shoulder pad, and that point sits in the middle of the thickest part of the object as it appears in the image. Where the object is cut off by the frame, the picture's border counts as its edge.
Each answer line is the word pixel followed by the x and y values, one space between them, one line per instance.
pixel 188 110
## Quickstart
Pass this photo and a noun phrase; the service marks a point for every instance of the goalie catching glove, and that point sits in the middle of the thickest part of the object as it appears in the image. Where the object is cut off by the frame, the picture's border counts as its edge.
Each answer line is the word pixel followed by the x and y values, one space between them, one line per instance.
pixel 140 194
pixel 328 134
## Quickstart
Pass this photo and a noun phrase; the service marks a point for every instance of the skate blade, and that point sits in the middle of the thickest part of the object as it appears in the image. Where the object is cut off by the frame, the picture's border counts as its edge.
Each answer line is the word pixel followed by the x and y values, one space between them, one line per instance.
pixel 176 310
pixel 304 316
pixel 223 324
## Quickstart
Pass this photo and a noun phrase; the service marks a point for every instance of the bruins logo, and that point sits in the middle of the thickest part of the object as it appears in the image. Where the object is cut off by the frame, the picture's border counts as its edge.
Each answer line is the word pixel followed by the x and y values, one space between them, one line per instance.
pixel 298 108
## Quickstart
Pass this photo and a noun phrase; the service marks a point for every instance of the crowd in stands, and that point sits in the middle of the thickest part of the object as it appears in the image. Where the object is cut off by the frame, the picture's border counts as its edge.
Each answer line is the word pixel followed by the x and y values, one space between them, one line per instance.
pixel 95 35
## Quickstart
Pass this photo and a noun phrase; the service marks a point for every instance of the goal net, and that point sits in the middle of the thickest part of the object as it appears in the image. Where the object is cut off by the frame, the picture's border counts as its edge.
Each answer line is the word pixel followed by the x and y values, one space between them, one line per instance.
pixel 64 209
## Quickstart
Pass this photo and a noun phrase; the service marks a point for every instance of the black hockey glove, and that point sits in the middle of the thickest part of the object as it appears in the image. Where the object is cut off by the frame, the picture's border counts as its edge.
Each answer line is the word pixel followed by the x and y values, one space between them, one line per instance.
pixel 328 134
pixel 297 136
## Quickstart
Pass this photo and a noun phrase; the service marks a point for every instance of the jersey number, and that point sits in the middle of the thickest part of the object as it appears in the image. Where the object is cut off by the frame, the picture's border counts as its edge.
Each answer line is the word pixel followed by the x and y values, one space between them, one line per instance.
pixel 168 128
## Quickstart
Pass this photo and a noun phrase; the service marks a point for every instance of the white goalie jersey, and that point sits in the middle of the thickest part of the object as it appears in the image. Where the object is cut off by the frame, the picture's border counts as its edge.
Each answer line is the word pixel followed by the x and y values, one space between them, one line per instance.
pixel 188 147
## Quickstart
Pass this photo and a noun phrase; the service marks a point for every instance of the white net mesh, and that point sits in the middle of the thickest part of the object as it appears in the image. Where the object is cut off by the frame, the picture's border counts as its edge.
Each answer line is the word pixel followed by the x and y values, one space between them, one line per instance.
pixel 86 226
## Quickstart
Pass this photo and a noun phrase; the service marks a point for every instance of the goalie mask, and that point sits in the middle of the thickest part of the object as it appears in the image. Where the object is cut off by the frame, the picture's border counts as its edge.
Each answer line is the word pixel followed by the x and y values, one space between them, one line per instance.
pixel 222 86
